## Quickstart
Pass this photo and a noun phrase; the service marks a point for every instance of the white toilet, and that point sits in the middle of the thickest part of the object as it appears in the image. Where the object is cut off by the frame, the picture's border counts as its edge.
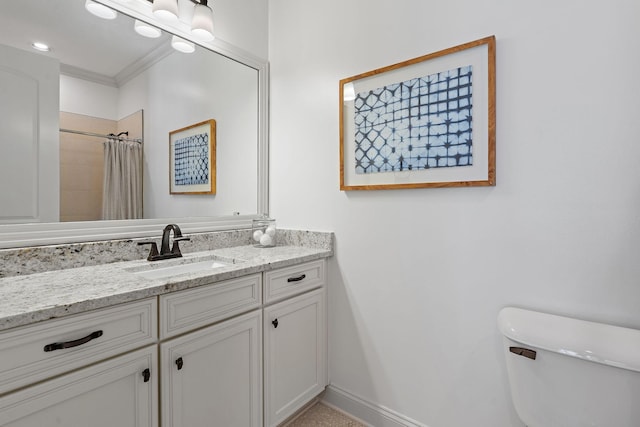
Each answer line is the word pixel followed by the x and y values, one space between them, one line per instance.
pixel 566 372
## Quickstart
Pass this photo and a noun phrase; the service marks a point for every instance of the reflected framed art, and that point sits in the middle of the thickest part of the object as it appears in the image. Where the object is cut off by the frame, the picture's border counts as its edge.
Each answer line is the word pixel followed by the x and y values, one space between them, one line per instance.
pixel 192 159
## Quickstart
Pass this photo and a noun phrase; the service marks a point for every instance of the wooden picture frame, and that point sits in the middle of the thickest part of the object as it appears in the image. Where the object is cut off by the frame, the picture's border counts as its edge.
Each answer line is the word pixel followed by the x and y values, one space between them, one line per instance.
pixel 192 159
pixel 425 122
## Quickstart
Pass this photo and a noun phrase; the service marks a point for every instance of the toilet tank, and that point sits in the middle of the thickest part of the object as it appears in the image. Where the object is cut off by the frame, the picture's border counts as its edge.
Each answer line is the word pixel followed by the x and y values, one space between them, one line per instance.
pixel 566 372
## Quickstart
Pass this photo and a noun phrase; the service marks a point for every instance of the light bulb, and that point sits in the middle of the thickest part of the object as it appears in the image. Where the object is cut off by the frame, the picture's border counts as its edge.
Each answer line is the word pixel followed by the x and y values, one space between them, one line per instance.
pixel 202 22
pixel 182 45
pixel 166 10
pixel 146 30
pixel 100 10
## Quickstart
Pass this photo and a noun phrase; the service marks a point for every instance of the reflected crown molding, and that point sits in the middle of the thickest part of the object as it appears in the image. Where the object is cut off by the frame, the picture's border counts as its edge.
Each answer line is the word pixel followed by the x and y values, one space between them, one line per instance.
pixel 132 70
pixel 71 71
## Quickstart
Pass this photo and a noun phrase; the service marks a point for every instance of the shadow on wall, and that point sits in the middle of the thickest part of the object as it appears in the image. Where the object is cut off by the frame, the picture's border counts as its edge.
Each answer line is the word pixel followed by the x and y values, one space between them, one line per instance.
pixel 359 376
pixel 352 346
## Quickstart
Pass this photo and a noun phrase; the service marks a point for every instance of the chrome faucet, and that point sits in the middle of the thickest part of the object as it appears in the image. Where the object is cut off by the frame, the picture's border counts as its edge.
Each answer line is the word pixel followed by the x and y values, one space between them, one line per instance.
pixel 165 252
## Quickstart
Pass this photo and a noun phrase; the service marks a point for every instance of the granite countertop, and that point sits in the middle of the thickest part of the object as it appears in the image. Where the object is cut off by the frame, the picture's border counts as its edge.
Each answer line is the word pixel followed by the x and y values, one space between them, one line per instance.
pixel 37 297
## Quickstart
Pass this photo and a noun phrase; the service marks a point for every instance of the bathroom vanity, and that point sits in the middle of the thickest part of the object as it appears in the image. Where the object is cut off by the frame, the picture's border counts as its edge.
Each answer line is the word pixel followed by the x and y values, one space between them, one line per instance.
pixel 241 344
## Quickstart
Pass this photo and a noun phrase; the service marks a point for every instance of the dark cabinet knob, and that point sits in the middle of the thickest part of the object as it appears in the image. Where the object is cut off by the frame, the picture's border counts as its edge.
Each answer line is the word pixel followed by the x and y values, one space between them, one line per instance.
pixel 179 363
pixel 146 374
pixel 275 323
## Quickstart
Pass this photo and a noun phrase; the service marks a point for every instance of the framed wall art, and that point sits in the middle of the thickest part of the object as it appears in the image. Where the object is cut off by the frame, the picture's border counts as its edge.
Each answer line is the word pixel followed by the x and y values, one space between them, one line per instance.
pixel 192 159
pixel 425 122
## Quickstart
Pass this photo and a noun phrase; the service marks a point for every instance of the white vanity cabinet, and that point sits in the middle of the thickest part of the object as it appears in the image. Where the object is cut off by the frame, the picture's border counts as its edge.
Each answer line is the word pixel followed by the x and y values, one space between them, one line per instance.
pixel 47 379
pixel 244 352
pixel 212 362
pixel 295 340
pixel 212 376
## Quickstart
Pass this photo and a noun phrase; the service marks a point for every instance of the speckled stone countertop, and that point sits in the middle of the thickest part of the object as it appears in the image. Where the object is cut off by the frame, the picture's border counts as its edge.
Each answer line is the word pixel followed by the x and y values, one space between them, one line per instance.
pixel 36 297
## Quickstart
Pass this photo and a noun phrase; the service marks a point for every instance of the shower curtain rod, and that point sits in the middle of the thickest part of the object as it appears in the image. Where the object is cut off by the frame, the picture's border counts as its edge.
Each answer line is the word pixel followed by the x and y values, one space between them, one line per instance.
pixel 99 135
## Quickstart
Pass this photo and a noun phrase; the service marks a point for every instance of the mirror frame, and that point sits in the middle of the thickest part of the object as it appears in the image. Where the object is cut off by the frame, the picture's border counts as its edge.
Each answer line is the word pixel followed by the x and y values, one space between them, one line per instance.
pixel 39 234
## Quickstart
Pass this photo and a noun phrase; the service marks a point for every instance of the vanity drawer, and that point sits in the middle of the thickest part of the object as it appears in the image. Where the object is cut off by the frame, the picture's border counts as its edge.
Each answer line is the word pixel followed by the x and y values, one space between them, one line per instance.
pixel 190 309
pixel 289 281
pixel 36 352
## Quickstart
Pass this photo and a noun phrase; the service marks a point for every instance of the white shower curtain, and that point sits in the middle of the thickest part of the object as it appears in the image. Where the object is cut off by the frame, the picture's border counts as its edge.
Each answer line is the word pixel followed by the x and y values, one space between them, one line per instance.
pixel 122 185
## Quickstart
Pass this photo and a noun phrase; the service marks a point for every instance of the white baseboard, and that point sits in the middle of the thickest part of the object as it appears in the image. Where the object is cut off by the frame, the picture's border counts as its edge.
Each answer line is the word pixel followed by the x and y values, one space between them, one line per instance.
pixel 369 413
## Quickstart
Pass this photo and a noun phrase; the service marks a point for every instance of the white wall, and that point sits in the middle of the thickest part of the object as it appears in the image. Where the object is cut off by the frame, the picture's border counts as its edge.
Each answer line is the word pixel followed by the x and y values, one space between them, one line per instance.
pixel 242 24
pixel 420 275
pixel 89 98
pixel 182 90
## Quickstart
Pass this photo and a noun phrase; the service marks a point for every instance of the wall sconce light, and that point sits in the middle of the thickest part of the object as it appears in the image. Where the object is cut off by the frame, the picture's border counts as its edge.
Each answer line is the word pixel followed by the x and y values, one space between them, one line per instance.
pixel 146 30
pixel 202 22
pixel 182 45
pixel 100 10
pixel 166 10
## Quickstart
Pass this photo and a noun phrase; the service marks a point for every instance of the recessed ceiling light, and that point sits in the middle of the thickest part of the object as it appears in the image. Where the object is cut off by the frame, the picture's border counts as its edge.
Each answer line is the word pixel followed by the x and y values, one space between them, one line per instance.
pixel 41 46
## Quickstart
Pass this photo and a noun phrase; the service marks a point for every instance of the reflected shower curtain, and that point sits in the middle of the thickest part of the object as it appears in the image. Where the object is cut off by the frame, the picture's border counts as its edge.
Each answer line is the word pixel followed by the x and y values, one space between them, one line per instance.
pixel 122 185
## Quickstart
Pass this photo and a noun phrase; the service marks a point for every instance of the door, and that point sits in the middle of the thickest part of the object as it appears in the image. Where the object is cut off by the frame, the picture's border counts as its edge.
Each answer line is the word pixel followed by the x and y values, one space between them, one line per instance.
pixel 295 354
pixel 29 123
pixel 119 392
pixel 213 376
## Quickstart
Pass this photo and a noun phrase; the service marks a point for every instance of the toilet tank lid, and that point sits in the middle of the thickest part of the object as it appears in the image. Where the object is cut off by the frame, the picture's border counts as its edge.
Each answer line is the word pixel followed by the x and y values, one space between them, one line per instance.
pixel 595 342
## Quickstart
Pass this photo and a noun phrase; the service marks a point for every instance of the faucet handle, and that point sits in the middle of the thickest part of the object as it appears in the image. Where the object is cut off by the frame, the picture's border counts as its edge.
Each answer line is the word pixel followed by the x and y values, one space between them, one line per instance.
pixel 153 252
pixel 175 249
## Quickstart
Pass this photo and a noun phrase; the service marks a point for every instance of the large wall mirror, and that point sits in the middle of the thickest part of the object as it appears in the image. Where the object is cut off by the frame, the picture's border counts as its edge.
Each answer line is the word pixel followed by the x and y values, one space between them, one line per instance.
pixel 102 77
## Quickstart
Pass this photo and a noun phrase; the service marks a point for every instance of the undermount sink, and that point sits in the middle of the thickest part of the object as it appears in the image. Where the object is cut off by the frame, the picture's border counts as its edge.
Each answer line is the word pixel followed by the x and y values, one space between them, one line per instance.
pixel 162 270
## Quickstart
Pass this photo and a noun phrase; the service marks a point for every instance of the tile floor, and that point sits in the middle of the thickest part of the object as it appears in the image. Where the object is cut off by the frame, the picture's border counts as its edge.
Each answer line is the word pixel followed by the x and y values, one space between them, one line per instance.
pixel 320 415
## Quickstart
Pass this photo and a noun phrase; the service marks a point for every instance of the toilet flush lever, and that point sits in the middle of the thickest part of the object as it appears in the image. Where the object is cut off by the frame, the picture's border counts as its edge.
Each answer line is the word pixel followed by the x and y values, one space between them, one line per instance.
pixel 520 351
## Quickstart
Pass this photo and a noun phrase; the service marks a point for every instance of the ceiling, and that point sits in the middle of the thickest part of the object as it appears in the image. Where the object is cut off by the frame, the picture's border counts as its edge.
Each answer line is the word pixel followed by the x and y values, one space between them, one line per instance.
pixel 78 38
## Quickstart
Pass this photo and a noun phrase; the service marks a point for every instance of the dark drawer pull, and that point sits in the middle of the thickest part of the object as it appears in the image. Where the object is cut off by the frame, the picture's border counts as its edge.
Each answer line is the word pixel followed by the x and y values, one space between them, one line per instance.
pixel 296 279
pixel 69 344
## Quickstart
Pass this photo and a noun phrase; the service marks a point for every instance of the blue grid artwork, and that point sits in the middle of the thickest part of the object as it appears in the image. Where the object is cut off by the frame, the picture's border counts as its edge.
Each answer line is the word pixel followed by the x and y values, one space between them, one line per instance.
pixel 191 156
pixel 417 124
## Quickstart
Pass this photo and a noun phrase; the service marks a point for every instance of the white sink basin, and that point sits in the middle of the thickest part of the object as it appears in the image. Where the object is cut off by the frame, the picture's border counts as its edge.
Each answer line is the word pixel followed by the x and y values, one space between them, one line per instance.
pixel 161 270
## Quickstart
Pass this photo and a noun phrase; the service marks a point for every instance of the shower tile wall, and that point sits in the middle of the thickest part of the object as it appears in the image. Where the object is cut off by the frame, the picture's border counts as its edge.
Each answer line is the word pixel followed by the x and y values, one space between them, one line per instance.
pixel 81 167
pixel 132 124
pixel 81 162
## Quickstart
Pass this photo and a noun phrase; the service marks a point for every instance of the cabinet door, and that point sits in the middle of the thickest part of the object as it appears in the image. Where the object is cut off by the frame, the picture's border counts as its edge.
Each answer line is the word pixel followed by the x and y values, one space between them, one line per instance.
pixel 120 392
pixel 295 354
pixel 213 377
